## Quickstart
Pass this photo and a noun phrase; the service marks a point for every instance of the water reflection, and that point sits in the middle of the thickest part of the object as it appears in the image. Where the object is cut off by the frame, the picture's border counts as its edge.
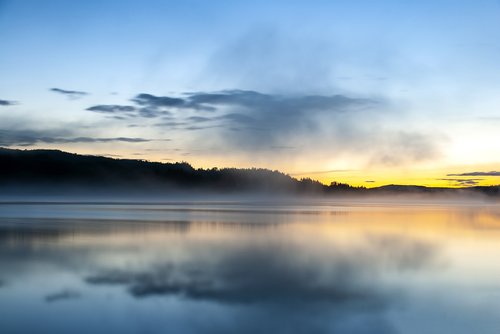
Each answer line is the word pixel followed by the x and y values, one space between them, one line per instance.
pixel 62 295
pixel 324 269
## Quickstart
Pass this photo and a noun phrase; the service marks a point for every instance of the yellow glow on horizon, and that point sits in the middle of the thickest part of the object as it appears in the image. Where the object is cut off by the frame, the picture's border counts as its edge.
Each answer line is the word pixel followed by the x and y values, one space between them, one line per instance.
pixel 435 177
pixel 431 175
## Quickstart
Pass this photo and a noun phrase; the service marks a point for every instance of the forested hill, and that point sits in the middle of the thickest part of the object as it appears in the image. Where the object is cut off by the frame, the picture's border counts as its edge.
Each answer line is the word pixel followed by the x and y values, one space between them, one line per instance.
pixel 56 170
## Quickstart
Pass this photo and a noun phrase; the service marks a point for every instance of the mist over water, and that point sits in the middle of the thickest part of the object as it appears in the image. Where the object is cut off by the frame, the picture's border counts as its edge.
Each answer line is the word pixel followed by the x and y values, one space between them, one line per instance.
pixel 321 266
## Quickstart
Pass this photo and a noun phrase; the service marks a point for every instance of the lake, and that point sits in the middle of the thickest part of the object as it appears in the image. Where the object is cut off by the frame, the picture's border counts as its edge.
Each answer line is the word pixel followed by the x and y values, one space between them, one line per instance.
pixel 250 267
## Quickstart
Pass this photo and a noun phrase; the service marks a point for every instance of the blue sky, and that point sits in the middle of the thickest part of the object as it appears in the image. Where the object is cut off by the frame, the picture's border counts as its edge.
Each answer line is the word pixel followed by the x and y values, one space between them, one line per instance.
pixel 431 69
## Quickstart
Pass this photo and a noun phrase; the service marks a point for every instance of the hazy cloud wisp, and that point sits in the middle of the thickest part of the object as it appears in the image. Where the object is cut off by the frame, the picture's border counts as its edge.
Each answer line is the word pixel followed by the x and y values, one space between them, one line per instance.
pixel 72 94
pixel 8 103
pixel 491 173
pixel 31 137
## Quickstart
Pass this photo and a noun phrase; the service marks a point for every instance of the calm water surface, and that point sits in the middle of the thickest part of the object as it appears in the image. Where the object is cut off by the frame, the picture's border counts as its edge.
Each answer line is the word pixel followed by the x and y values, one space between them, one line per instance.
pixel 252 267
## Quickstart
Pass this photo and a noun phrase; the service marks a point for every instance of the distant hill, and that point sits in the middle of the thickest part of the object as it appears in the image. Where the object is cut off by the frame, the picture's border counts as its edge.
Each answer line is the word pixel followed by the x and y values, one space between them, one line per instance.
pixel 57 171
pixel 414 189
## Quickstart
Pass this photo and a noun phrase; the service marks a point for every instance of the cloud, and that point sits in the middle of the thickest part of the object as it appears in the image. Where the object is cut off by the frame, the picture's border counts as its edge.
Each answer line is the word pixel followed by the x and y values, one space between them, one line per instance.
pixel 158 101
pixel 335 124
pixel 463 182
pixel 31 137
pixel 394 148
pixel 255 100
pixel 7 103
pixel 245 121
pixel 112 108
pixel 199 119
pixel 237 118
pixel 122 112
pixel 322 172
pixel 62 295
pixel 194 128
pixel 171 124
pixel 101 140
pixel 249 100
pixel 248 108
pixel 491 173
pixel 72 94
pixel 153 112
pixel 264 119
pixel 469 182
pixel 252 107
pixel 167 102
pixel 271 59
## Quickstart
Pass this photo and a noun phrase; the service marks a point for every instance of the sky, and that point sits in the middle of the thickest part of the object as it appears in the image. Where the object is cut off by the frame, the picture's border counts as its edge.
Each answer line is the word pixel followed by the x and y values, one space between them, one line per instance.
pixel 364 92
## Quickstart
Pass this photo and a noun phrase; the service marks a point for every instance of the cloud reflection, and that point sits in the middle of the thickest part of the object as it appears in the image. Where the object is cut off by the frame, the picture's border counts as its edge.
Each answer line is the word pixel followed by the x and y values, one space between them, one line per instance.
pixel 274 275
pixel 341 290
pixel 62 295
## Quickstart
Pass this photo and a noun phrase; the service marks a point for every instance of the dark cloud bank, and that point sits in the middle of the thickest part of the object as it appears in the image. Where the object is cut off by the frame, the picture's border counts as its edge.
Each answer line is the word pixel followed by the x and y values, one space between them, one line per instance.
pixel 250 121
pixel 263 105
